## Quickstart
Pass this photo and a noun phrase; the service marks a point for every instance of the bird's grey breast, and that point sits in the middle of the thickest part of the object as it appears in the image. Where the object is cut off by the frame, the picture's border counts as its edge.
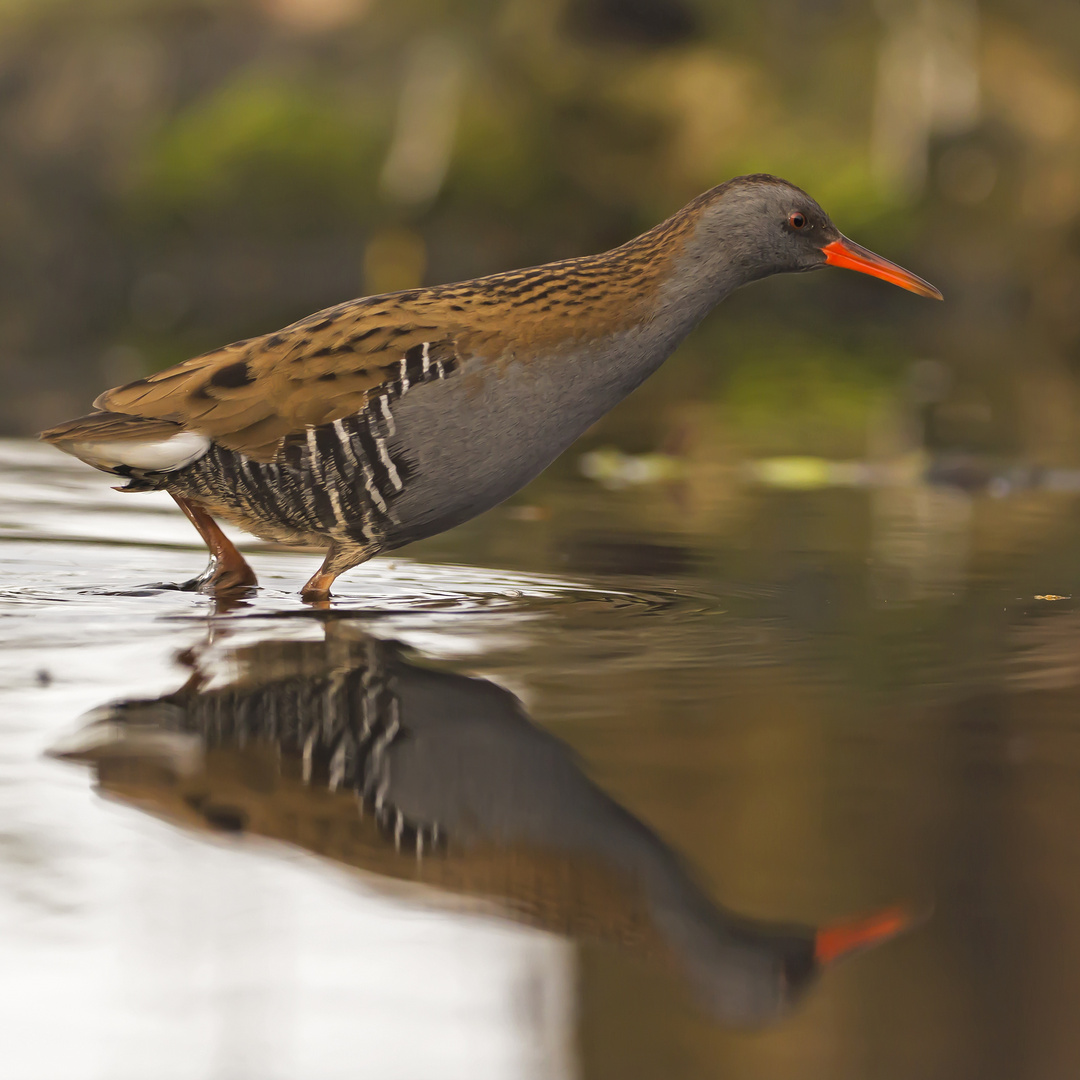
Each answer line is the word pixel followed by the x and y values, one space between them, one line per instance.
pixel 472 440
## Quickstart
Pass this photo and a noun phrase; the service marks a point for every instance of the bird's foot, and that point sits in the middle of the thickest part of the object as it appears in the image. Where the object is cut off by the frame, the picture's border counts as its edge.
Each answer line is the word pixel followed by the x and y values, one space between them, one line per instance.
pixel 218 580
pixel 317 590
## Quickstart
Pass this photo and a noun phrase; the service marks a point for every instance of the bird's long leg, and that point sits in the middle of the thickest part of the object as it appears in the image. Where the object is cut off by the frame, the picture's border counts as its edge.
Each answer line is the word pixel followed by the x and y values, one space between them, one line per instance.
pixel 228 569
pixel 339 558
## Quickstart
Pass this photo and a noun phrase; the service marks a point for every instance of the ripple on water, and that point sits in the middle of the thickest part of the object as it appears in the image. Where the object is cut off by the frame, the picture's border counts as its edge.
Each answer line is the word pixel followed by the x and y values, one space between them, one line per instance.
pixel 78 558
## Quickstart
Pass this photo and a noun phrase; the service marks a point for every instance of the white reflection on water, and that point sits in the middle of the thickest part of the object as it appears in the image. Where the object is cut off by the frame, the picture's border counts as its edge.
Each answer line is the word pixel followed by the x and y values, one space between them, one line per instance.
pixel 131 949
pixel 158 954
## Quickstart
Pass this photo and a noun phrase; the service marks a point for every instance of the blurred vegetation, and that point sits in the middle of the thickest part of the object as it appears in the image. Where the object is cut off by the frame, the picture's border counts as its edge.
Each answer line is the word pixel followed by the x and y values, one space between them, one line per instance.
pixel 176 174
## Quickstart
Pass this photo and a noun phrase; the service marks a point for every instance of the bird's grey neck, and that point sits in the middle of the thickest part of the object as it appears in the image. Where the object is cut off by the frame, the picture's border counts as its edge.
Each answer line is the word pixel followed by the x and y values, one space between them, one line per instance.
pixel 698 279
pixel 708 261
pixel 695 286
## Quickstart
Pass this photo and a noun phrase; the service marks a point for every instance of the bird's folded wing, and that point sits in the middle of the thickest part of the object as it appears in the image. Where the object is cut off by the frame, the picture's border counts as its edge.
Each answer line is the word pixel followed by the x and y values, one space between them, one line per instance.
pixel 251 395
pixel 112 427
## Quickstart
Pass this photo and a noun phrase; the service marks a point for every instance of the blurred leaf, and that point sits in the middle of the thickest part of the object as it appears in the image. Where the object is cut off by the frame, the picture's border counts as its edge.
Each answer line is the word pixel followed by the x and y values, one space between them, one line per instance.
pixel 268 148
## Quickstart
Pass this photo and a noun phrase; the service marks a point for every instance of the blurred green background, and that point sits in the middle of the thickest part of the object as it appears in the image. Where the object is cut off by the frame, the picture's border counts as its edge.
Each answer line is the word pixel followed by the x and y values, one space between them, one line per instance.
pixel 176 174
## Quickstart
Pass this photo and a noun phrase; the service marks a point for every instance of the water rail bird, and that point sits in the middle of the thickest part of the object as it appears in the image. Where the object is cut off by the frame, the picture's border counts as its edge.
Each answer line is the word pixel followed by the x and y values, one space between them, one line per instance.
pixel 391 418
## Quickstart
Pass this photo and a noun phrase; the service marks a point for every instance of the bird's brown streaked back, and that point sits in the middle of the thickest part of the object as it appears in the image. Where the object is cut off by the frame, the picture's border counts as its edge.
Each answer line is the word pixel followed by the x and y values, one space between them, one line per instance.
pixel 250 395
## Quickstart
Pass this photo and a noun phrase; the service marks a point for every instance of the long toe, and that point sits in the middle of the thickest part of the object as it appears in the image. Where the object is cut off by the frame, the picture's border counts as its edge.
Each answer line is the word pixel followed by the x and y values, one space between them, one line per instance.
pixel 230 580
pixel 218 580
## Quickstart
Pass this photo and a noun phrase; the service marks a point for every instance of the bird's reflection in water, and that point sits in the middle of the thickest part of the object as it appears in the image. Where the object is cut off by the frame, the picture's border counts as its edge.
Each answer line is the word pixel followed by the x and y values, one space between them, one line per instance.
pixel 349 749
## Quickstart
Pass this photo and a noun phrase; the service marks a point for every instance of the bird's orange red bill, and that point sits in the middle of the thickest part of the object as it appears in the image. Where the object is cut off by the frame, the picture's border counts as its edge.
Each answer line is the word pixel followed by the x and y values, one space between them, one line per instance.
pixel 852 256
pixel 839 939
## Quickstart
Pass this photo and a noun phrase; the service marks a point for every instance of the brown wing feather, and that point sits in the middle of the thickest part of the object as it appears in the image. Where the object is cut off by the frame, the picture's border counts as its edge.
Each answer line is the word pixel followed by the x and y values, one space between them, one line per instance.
pixel 111 427
pixel 250 395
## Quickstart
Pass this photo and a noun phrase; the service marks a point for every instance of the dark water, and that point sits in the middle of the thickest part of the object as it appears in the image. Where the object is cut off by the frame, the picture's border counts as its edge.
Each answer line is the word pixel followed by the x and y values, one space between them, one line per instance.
pixel 563 793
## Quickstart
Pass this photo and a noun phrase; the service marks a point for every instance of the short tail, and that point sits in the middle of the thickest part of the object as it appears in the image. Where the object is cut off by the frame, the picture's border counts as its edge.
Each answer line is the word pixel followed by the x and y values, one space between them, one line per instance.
pixel 128 445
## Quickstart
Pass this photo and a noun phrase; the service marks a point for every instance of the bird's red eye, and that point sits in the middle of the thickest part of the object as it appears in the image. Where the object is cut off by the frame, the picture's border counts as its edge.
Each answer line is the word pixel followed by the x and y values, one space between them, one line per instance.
pixel 796 220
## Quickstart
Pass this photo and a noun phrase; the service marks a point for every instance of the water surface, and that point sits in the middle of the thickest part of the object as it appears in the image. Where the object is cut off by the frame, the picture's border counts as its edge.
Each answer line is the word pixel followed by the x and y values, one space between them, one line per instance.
pixel 740 702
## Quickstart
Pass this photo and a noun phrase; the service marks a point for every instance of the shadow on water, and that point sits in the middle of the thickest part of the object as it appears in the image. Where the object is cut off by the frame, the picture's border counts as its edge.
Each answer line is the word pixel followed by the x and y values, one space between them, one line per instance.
pixel 349 748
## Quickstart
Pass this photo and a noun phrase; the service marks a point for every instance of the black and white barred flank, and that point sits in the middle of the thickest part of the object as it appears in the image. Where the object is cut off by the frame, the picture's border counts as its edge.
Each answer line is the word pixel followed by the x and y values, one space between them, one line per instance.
pixel 339 478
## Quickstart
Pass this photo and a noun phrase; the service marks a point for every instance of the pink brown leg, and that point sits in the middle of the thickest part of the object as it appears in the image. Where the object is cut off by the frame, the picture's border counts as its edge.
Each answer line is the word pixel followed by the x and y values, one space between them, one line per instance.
pixel 338 559
pixel 227 570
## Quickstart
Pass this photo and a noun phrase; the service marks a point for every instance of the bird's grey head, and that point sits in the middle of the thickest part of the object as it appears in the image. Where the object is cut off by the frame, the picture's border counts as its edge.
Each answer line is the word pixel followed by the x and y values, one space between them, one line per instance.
pixel 754 226
pixel 764 225
pixel 751 974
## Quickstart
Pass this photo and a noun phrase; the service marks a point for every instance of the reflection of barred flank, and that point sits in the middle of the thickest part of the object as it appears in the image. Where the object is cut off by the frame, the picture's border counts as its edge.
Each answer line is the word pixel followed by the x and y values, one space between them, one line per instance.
pixel 339 726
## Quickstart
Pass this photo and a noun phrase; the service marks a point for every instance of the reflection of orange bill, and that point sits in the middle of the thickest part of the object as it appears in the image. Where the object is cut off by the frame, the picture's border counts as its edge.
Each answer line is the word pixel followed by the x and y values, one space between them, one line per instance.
pixel 852 256
pixel 845 937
